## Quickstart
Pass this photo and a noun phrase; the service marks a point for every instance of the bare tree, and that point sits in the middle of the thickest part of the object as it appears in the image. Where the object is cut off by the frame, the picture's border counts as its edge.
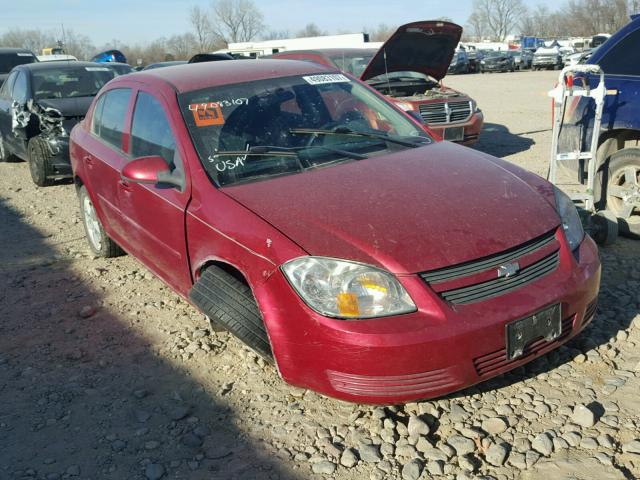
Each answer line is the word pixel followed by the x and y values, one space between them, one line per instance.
pixel 500 17
pixel 381 33
pixel 588 17
pixel 477 26
pixel 310 30
pixel 184 46
pixel 276 35
pixel 202 30
pixel 236 20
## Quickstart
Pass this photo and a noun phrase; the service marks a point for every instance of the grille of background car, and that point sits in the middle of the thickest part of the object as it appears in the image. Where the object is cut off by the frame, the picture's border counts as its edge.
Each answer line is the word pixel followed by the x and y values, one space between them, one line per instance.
pixel 446 112
pixel 498 286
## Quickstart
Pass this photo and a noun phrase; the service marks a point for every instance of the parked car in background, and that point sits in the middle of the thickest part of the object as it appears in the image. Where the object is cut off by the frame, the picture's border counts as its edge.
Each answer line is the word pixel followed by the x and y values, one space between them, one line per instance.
pixel 475 56
pixel 547 58
pixel 109 56
pixel 618 182
pixel 497 61
pixel 210 57
pixel 118 68
pixel 39 105
pixel 11 57
pixel 521 58
pixel 459 63
pixel 164 64
pixel 579 57
pixel 331 232
pixel 411 76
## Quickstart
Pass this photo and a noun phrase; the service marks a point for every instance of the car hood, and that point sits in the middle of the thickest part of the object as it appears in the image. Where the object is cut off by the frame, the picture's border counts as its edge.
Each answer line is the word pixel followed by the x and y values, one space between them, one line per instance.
pixel 407 212
pixel 69 107
pixel 426 47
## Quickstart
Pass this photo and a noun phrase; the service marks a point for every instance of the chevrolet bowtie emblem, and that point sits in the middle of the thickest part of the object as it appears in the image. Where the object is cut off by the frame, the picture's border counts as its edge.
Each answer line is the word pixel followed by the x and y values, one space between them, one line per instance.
pixel 508 270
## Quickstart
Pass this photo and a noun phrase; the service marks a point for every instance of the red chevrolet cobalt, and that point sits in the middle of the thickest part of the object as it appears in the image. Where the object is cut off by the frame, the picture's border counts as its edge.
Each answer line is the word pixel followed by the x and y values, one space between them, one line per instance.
pixel 329 231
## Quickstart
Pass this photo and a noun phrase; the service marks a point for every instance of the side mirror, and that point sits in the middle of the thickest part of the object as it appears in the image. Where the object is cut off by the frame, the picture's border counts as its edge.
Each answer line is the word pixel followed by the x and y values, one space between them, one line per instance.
pixel 151 170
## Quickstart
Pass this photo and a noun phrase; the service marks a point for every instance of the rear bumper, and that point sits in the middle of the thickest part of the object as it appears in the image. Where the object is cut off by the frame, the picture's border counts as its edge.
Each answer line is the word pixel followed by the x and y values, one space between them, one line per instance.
pixel 472 128
pixel 434 351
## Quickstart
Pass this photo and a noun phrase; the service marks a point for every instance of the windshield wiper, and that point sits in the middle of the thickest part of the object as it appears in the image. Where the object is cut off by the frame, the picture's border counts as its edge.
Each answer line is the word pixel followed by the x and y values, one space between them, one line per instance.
pixel 271 150
pixel 347 132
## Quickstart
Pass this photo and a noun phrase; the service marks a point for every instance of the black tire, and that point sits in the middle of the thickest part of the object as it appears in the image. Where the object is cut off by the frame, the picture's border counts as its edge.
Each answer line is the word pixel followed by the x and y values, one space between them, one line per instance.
pixel 228 301
pixel 615 180
pixel 99 242
pixel 605 227
pixel 39 157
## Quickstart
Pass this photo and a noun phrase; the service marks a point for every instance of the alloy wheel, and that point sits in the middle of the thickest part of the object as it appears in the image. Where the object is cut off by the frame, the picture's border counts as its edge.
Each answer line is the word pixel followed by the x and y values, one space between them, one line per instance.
pixel 92 223
pixel 623 191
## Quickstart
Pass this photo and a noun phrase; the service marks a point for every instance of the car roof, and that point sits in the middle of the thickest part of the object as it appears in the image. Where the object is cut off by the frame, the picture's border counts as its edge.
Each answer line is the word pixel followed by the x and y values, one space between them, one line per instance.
pixel 195 76
pixel 57 64
pixel 14 50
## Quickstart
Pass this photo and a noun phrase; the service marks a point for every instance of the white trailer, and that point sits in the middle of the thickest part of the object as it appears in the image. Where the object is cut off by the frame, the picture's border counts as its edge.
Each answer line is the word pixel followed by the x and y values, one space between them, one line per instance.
pixel 269 47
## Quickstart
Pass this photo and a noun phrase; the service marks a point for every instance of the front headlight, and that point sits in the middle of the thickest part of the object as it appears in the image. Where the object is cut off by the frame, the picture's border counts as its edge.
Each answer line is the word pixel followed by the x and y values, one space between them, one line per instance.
pixel 406 106
pixel 571 223
pixel 342 289
pixel 482 62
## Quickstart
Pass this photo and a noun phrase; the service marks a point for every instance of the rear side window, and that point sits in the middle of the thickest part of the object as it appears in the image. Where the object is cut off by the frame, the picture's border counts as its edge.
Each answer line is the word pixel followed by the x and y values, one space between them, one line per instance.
pixel 150 131
pixel 110 116
pixel 624 58
pixel 20 88
pixel 5 90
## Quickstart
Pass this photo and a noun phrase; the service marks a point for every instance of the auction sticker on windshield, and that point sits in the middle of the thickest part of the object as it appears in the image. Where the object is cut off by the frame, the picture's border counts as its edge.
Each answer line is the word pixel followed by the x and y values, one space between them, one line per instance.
pixel 323 79
pixel 207 114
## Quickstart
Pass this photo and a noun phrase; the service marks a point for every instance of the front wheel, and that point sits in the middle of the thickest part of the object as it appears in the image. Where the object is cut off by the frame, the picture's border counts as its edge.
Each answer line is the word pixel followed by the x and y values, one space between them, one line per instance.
pixel 40 162
pixel 99 242
pixel 617 189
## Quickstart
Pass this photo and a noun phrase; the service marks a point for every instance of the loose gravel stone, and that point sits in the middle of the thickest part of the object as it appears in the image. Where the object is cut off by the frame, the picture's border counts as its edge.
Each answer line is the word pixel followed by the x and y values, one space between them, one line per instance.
pixel 543 444
pixel 417 427
pixel 324 467
pixel 154 471
pixel 497 454
pixel 583 416
pixel 370 453
pixel 461 445
pixel 348 458
pixel 632 447
pixel 412 470
pixel 495 425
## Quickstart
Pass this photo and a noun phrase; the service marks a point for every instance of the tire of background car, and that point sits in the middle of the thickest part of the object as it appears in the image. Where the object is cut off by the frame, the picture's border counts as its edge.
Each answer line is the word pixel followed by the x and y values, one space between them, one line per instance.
pixel 604 227
pixel 39 157
pixel 99 242
pixel 615 178
pixel 229 302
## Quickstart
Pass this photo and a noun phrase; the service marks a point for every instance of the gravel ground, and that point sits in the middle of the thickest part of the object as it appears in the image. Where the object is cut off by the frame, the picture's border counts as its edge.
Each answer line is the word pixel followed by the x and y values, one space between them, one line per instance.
pixel 107 374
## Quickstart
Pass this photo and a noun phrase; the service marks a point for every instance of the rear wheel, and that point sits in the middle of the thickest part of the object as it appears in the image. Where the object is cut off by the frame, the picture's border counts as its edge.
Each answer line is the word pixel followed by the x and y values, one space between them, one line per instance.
pixel 99 242
pixel 229 302
pixel 40 162
pixel 617 189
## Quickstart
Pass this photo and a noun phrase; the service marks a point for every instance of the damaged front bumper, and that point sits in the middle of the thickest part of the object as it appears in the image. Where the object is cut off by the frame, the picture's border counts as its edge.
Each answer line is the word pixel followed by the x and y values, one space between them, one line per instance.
pixel 59 160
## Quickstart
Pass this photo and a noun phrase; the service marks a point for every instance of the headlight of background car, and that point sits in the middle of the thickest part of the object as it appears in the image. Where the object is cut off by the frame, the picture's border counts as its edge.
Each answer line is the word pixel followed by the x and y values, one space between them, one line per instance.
pixel 570 219
pixel 337 288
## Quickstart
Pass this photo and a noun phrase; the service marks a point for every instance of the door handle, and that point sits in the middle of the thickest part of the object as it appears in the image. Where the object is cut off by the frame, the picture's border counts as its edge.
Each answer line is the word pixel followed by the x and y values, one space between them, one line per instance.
pixel 124 185
pixel 88 161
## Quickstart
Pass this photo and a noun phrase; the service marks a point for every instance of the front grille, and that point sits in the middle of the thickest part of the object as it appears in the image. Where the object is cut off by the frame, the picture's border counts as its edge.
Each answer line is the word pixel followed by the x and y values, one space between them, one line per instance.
pixel 446 112
pixel 497 286
pixel 382 386
pixel 494 362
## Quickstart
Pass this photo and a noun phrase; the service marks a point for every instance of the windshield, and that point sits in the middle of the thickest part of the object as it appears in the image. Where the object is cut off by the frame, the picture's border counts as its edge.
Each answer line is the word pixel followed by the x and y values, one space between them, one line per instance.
pixel 281 126
pixel 68 82
pixel 493 53
pixel 10 60
pixel 352 62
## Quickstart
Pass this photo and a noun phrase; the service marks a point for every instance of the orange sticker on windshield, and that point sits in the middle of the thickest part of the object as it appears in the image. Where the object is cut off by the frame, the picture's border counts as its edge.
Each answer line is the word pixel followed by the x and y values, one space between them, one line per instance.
pixel 207 114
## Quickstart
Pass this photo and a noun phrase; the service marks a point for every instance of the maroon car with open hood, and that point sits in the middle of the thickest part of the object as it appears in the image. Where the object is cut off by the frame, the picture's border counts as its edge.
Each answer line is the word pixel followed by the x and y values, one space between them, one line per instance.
pixel 409 68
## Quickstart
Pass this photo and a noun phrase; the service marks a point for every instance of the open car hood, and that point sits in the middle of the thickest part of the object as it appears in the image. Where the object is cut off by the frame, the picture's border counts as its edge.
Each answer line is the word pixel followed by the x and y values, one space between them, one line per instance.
pixel 426 47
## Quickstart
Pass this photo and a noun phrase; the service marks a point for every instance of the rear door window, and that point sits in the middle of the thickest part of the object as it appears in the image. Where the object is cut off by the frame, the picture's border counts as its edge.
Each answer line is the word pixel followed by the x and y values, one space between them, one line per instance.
pixel 5 90
pixel 111 121
pixel 624 58
pixel 20 89
pixel 151 131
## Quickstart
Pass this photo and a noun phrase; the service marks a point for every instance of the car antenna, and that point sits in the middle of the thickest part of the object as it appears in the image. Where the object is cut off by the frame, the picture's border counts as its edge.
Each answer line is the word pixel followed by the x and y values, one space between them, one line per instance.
pixel 386 70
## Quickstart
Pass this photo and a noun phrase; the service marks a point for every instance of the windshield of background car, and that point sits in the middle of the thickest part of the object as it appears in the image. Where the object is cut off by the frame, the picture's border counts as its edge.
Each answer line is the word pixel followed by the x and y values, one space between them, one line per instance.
pixel 69 82
pixel 493 54
pixel 290 125
pixel 10 60
pixel 351 62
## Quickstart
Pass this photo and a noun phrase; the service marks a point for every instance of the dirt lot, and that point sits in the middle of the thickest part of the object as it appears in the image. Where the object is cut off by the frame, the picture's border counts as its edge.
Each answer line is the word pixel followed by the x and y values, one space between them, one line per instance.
pixel 106 374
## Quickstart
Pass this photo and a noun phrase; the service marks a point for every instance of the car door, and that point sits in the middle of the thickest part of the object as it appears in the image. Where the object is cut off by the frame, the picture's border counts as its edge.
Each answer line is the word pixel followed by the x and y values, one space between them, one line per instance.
pixel 155 214
pixel 5 108
pixel 17 142
pixel 104 157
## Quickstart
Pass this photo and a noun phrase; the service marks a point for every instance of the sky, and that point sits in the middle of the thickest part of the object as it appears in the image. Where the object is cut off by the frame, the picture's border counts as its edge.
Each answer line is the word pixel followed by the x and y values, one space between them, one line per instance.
pixel 133 21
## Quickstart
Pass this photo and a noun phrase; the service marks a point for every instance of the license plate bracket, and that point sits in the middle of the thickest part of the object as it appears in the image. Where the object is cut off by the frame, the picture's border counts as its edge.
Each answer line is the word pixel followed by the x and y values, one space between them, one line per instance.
pixel 545 324
pixel 454 134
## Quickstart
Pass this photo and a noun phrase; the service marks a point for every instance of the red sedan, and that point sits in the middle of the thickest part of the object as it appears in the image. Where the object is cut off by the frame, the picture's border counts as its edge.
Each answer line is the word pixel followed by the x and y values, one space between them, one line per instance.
pixel 329 231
